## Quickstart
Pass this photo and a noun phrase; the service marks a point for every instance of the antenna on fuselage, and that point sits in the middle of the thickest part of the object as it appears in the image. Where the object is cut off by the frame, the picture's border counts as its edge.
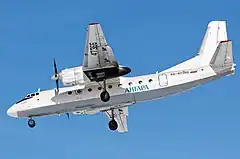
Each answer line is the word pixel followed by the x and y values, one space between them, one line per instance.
pixel 68 115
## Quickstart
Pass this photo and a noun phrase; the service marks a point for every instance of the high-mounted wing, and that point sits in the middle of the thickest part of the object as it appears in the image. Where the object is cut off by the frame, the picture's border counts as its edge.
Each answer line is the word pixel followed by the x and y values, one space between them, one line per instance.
pixel 97 54
pixel 120 115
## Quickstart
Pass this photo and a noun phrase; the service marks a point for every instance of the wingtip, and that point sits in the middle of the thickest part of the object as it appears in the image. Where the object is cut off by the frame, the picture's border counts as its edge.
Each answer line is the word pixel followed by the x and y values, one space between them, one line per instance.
pixel 93 23
pixel 225 41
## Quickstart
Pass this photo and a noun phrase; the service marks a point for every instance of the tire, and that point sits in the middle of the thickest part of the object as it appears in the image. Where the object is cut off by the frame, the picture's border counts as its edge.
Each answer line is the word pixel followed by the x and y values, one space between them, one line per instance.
pixel 31 123
pixel 105 96
pixel 113 125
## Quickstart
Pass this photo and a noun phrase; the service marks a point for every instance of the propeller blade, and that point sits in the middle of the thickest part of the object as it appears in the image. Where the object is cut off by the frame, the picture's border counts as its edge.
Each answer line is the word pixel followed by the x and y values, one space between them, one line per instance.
pixel 57 84
pixel 56 74
pixel 55 67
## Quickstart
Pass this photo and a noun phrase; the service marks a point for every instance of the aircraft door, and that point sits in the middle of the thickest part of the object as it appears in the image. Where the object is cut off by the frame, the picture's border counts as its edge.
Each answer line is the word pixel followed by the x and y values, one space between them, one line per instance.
pixel 163 81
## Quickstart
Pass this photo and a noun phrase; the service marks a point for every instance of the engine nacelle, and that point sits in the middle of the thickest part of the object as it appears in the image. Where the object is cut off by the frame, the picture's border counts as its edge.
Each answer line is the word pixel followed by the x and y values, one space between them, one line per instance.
pixel 72 76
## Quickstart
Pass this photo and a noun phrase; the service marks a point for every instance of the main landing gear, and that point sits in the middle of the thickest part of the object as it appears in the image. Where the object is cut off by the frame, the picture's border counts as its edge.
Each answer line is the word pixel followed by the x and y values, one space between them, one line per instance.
pixel 113 125
pixel 105 96
pixel 31 123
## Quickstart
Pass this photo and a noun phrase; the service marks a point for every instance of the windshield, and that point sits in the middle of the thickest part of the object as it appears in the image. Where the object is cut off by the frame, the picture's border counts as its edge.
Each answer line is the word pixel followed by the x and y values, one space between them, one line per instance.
pixel 25 98
pixel 28 97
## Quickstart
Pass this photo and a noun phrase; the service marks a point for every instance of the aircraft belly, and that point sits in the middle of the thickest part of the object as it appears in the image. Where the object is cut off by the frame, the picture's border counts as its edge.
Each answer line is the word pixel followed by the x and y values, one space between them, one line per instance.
pixel 84 104
pixel 46 110
pixel 118 99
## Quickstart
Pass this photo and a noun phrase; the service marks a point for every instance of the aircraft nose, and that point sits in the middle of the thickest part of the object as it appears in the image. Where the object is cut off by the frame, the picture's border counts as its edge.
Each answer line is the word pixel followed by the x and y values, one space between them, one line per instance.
pixel 12 112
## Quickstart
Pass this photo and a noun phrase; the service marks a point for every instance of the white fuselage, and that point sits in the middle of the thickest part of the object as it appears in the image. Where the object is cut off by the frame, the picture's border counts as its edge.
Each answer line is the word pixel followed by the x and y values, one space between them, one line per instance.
pixel 99 86
pixel 130 91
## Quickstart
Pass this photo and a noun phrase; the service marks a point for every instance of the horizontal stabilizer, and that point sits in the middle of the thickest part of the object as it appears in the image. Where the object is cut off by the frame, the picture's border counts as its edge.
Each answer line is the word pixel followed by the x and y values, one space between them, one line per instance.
pixel 222 61
pixel 223 54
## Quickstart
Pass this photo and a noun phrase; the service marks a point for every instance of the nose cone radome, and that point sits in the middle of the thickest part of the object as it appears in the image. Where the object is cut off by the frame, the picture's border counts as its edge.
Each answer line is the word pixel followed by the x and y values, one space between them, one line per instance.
pixel 12 112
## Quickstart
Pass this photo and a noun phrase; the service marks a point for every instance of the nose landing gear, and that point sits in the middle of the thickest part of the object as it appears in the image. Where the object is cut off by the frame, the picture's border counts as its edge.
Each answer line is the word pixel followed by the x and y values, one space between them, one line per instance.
pixel 31 123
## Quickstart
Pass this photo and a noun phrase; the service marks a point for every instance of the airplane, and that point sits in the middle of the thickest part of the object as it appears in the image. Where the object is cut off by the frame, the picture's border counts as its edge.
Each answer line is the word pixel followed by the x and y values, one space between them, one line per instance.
pixel 100 84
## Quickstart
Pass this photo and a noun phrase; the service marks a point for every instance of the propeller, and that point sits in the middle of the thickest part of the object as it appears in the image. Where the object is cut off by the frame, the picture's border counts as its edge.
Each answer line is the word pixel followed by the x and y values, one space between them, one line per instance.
pixel 56 75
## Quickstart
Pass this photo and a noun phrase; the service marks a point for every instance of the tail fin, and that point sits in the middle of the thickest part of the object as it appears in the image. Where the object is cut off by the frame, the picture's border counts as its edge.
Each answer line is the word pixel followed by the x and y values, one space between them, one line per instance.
pixel 216 32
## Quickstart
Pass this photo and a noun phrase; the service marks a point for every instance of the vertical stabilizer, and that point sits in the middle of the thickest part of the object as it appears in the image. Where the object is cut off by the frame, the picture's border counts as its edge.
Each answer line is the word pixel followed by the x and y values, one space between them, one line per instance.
pixel 215 33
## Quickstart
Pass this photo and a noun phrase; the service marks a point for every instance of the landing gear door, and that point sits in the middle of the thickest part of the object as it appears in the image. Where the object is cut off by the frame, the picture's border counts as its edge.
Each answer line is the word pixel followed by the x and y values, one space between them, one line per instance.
pixel 163 81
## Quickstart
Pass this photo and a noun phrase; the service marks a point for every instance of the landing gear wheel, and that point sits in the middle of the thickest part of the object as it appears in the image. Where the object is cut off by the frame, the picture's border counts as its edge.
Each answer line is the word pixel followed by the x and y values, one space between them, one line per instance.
pixel 113 125
pixel 105 96
pixel 31 123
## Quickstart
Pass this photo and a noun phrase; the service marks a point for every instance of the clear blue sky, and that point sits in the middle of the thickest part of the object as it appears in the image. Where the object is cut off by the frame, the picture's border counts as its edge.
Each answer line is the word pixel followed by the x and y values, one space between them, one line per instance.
pixel 147 36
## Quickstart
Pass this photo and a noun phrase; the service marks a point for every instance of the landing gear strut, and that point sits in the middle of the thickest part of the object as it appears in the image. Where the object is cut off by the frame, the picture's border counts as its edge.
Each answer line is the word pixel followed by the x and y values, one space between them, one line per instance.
pixel 113 125
pixel 105 96
pixel 31 123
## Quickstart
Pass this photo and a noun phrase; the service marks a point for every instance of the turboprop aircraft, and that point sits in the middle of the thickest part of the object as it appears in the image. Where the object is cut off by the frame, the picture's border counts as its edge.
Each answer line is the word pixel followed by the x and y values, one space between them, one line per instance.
pixel 99 85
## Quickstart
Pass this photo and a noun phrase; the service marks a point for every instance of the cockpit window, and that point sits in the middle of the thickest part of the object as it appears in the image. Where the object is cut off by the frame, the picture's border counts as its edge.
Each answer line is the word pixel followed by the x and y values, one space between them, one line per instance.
pixel 27 97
